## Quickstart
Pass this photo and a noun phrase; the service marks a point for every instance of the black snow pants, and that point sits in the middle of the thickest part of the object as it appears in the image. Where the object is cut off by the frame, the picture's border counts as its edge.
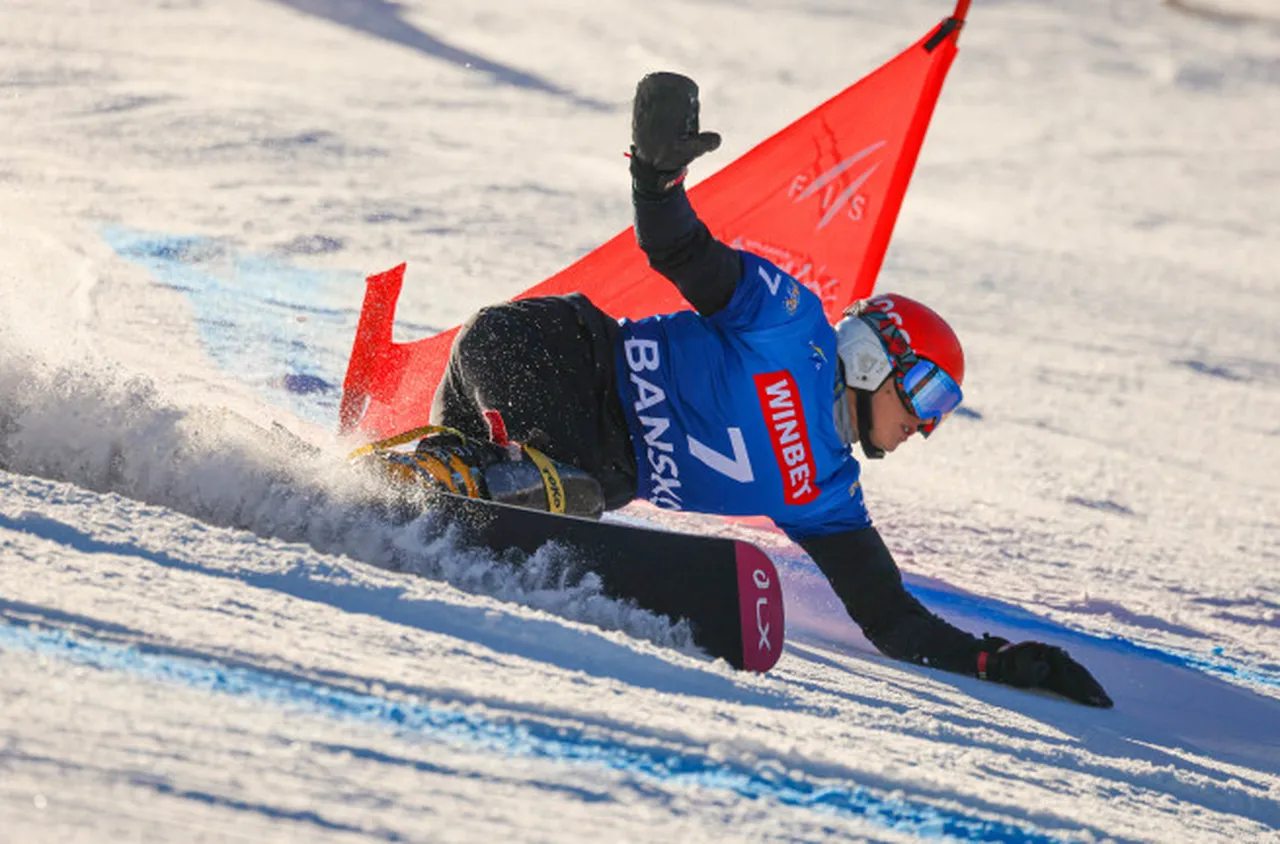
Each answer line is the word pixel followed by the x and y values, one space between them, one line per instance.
pixel 547 365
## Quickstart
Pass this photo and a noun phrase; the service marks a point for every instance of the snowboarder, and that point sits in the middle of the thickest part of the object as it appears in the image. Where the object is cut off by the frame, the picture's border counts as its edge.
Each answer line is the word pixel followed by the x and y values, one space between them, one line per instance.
pixel 748 405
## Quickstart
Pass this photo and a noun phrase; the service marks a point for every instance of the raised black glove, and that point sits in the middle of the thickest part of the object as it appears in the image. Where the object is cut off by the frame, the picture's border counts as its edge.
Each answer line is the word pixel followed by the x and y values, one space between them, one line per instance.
pixel 1037 665
pixel 664 132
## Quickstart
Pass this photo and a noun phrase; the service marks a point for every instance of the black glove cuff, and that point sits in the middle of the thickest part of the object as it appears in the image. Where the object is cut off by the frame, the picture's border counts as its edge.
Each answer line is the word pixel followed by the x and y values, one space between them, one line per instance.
pixel 650 183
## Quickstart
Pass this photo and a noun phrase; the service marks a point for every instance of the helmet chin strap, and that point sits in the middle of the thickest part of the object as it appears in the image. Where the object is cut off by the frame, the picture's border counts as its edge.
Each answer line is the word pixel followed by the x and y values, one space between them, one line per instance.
pixel 863 399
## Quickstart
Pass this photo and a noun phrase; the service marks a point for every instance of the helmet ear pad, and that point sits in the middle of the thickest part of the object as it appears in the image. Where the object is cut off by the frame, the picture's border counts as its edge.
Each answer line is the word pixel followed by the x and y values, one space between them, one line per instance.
pixel 866 367
pixel 866 363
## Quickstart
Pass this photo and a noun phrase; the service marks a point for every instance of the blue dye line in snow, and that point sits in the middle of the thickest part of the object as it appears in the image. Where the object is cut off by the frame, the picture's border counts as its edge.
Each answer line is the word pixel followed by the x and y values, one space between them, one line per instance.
pixel 262 320
pixel 532 739
pixel 997 612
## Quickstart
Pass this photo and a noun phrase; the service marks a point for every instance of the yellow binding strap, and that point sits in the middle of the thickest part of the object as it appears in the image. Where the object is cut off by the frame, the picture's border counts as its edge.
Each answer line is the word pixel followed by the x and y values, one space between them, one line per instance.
pixel 400 439
pixel 437 469
pixel 464 470
pixel 550 479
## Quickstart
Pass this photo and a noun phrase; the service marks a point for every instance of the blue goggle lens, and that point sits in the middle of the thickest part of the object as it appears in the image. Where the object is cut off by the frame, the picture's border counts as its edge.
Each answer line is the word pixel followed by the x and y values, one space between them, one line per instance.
pixel 931 392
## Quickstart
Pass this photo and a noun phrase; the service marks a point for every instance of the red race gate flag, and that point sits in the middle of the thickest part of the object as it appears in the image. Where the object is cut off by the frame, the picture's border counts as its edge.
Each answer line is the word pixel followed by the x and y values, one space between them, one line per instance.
pixel 819 199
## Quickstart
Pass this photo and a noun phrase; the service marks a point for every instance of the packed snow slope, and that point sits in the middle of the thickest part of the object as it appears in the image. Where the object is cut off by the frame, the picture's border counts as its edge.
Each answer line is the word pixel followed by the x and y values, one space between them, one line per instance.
pixel 205 636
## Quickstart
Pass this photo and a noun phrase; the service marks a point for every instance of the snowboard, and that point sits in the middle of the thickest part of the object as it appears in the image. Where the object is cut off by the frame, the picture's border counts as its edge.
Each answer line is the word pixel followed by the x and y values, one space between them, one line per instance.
pixel 726 589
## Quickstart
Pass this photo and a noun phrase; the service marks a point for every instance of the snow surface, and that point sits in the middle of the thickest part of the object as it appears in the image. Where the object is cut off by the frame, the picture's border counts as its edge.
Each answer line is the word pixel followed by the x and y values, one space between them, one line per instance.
pixel 204 637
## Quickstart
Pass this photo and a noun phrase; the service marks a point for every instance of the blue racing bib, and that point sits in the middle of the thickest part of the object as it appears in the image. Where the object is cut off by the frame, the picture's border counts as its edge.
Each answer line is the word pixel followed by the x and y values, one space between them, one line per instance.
pixel 734 413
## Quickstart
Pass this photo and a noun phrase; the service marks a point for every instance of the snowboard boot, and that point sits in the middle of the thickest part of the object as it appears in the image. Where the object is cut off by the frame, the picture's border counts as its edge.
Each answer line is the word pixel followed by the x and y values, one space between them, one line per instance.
pixel 512 474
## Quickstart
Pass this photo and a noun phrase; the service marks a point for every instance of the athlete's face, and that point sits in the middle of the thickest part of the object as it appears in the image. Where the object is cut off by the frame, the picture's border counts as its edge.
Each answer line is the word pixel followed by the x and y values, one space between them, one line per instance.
pixel 892 422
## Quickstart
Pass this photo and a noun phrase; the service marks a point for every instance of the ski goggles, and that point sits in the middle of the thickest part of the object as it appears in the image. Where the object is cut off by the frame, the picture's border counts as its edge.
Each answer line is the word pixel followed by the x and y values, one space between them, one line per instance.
pixel 929 391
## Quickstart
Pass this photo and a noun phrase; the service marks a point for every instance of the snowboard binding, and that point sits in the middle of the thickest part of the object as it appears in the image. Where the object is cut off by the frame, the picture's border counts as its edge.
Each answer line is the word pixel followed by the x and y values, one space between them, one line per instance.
pixel 445 460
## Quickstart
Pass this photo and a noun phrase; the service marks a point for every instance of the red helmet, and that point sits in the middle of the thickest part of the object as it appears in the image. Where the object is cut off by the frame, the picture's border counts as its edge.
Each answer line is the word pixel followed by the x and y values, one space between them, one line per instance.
pixel 880 334
pixel 892 335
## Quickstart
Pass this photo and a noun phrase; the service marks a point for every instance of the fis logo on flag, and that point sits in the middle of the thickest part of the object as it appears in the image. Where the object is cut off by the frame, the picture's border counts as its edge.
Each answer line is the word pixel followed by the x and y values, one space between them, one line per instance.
pixel 837 187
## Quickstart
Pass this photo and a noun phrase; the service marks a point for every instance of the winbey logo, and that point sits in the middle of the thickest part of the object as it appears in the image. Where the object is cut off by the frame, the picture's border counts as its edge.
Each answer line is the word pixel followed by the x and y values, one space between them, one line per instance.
pixel 835 193
pixel 783 413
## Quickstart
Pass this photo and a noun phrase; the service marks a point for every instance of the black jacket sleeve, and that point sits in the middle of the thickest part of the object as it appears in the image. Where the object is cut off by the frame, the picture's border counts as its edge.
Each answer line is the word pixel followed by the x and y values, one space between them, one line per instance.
pixel 680 246
pixel 865 577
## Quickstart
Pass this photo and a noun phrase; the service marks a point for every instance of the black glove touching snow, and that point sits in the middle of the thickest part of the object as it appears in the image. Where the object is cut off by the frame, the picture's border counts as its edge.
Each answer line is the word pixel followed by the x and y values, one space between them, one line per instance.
pixel 1029 665
pixel 664 132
